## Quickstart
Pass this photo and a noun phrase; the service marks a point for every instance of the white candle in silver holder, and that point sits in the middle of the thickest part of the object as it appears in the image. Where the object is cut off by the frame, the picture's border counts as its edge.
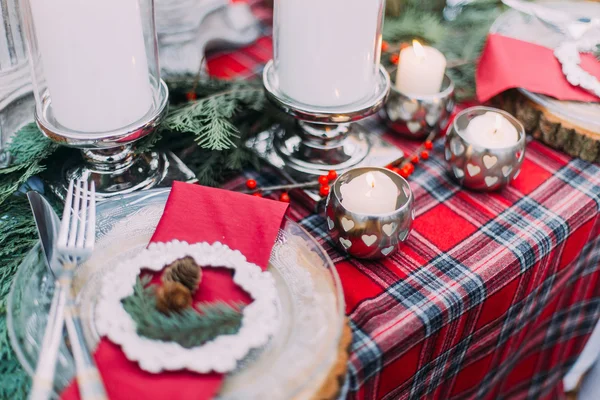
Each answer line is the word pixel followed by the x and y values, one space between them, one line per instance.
pixel 327 51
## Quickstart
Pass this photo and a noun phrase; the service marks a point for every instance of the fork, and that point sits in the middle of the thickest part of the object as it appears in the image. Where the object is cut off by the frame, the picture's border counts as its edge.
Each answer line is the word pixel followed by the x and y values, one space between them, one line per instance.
pixel 74 245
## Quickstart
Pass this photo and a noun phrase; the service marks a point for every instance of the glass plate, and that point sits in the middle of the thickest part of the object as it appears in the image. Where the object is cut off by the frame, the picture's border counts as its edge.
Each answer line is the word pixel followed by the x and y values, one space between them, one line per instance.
pixel 292 365
pixel 523 27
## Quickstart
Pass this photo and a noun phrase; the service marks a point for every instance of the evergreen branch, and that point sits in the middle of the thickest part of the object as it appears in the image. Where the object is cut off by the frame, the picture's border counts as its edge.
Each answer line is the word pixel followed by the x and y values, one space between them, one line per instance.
pixel 597 52
pixel 414 24
pixel 190 328
pixel 209 119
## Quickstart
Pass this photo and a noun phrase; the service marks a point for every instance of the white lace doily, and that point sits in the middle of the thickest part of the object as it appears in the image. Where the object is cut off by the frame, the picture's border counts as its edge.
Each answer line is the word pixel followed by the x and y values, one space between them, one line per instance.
pixel 567 54
pixel 260 318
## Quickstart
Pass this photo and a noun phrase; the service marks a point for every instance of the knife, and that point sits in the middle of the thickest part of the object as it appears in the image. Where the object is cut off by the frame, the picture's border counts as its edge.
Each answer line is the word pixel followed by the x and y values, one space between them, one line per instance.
pixel 47 223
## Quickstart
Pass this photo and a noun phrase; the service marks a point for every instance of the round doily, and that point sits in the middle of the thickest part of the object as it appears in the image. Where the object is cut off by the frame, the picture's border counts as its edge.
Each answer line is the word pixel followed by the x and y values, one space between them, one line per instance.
pixel 260 318
pixel 567 54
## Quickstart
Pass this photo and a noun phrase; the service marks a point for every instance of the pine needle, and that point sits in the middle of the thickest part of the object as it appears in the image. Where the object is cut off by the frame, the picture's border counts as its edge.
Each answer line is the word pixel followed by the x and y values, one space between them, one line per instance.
pixel 413 24
pixel 190 328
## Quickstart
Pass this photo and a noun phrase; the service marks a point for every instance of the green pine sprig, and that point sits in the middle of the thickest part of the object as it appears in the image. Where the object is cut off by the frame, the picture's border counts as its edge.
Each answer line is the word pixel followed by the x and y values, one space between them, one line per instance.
pixel 190 328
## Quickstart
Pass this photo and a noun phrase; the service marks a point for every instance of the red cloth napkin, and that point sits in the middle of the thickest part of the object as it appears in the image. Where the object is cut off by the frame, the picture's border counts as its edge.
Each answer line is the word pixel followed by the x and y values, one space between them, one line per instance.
pixel 508 63
pixel 195 214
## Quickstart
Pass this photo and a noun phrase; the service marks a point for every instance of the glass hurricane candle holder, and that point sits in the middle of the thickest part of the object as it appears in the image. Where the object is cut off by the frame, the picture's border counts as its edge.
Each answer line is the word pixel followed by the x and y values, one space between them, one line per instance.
pixel 326 73
pixel 97 86
pixel 477 157
pixel 369 224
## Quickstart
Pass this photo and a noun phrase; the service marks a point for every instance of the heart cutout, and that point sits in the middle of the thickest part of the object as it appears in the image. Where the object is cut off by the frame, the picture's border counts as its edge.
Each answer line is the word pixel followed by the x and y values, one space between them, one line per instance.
pixel 431 119
pixel 506 170
pixel 489 161
pixel 403 235
pixel 369 239
pixel 347 224
pixel 388 229
pixel 491 180
pixel 519 155
pixel 330 223
pixel 516 174
pixel 387 250
pixel 457 147
pixel 410 106
pixel 459 173
pixel 413 127
pixel 346 243
pixel 448 154
pixel 473 169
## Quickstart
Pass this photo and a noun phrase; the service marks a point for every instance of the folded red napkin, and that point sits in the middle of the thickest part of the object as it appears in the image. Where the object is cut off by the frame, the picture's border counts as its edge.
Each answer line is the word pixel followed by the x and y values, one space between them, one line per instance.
pixel 195 214
pixel 508 63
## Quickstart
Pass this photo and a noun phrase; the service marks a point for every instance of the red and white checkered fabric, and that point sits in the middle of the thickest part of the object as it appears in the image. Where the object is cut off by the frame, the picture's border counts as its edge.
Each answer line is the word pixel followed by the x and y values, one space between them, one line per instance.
pixel 493 296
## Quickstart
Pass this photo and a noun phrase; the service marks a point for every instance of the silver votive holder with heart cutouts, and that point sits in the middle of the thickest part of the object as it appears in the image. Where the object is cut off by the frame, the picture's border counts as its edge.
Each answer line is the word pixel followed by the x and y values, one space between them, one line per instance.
pixel 416 116
pixel 369 236
pixel 478 167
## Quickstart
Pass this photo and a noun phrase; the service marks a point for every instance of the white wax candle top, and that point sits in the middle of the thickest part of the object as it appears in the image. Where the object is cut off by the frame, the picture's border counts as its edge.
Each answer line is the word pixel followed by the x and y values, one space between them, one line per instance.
pixel 371 193
pixel 491 130
pixel 327 52
pixel 421 70
pixel 94 62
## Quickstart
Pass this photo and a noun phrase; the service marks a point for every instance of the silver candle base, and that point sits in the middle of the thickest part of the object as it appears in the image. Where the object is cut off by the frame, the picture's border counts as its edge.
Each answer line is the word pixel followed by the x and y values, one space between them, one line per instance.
pixel 109 158
pixel 323 138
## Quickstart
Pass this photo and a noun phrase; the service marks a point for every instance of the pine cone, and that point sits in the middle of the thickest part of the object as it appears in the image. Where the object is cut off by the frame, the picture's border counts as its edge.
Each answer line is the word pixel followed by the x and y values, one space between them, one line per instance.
pixel 185 271
pixel 172 297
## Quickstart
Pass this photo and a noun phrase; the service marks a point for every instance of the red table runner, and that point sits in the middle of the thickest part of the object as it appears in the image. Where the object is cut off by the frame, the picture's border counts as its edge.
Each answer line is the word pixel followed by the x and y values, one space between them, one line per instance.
pixel 493 296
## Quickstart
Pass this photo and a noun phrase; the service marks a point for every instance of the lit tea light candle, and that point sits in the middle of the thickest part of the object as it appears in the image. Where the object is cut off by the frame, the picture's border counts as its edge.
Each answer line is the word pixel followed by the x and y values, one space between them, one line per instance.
pixel 371 193
pixel 491 130
pixel 421 70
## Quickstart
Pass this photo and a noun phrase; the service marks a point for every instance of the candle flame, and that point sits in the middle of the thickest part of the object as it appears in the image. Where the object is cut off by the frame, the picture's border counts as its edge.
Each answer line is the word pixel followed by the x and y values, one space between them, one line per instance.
pixel 418 49
pixel 370 179
pixel 498 124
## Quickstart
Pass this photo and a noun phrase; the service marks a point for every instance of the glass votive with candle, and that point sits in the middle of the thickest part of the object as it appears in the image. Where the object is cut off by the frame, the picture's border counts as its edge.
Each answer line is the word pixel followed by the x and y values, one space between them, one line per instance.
pixel 97 85
pixel 485 148
pixel 369 212
pixel 422 95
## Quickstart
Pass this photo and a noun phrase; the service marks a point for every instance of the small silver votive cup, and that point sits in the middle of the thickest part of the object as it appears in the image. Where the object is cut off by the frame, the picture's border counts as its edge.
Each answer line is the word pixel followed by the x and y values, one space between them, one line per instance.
pixel 415 116
pixel 369 236
pixel 477 167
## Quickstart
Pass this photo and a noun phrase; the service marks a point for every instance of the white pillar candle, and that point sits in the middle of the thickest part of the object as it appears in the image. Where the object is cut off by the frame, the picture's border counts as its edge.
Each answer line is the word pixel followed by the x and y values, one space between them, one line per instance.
pixel 371 193
pixel 94 62
pixel 327 51
pixel 491 130
pixel 420 70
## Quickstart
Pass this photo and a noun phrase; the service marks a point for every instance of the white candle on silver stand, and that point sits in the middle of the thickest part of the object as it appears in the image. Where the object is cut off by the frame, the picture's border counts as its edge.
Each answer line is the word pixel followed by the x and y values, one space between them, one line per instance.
pixel 328 50
pixel 420 70
pixel 94 60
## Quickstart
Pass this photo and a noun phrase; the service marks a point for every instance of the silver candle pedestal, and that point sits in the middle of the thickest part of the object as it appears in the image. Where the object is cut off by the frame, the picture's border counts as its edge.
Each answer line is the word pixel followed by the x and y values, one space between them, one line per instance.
pixel 323 138
pixel 416 116
pixel 369 236
pixel 109 158
pixel 477 167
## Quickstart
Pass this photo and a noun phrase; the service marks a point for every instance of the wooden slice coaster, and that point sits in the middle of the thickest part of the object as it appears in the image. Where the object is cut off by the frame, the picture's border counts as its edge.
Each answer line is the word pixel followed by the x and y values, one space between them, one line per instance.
pixel 333 384
pixel 556 131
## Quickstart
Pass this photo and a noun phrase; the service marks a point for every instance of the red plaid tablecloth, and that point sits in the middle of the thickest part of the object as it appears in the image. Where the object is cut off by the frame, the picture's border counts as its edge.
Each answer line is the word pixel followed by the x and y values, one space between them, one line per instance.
pixel 493 296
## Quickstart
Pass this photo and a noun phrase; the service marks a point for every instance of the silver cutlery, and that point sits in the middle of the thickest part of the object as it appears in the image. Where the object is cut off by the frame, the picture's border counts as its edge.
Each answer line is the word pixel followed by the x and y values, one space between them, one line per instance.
pixel 74 245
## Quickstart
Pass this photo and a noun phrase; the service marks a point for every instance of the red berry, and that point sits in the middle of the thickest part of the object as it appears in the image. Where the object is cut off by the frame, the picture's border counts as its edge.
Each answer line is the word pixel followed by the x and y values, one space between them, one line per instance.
pixel 323 180
pixel 390 167
pixel 324 190
pixel 394 59
pixel 257 194
pixel 284 197
pixel 332 175
pixel 424 155
pixel 251 184
pixel 414 159
pixel 428 145
pixel 409 167
pixel 404 173
pixel 385 46
pixel 190 96
pixel 397 170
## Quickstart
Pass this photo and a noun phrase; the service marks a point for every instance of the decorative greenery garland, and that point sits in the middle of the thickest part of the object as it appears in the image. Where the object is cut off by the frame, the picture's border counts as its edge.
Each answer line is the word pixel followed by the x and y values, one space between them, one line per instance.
pixel 189 327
